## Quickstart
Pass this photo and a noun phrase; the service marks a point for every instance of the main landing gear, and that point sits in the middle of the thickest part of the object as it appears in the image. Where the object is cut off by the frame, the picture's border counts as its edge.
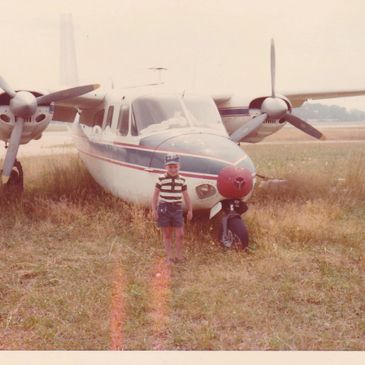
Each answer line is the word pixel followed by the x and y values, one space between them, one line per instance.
pixel 233 232
pixel 15 184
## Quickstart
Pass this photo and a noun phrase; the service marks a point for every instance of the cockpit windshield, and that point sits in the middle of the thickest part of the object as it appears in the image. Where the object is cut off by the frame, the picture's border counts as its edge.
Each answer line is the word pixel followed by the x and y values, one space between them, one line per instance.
pixel 158 113
pixel 204 111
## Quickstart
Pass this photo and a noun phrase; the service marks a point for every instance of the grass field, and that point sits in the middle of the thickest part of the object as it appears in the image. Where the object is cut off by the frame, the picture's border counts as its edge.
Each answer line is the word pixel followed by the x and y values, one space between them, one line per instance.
pixel 334 133
pixel 82 270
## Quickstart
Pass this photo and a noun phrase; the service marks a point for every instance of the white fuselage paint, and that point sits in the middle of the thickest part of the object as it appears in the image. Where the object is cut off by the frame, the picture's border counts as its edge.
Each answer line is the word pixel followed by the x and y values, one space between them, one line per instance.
pixel 137 186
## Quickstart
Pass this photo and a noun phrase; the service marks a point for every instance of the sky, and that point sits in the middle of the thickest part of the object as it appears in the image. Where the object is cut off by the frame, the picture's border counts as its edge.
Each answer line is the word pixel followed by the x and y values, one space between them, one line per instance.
pixel 210 45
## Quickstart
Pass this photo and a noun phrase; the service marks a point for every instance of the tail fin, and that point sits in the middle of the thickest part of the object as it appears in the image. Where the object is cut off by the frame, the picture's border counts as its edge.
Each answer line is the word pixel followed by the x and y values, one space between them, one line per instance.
pixel 68 62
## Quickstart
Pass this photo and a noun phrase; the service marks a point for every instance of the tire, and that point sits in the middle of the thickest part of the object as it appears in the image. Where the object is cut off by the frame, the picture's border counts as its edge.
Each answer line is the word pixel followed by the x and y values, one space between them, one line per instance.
pixel 237 235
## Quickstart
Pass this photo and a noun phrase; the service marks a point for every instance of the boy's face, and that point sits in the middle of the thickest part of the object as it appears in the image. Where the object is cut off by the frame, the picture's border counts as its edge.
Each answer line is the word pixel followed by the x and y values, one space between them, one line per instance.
pixel 172 169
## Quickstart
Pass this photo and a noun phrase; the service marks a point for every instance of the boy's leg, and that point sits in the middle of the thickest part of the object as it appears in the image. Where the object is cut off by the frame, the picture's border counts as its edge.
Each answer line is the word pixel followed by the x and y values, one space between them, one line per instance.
pixel 179 238
pixel 167 237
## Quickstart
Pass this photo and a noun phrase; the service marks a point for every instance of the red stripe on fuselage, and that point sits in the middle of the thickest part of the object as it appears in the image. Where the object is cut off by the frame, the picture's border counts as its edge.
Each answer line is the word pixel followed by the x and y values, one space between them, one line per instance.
pixel 147 169
pixel 154 149
pixel 138 147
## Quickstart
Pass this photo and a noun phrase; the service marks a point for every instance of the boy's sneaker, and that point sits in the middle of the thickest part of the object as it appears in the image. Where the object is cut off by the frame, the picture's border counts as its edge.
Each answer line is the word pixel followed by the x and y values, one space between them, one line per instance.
pixel 170 261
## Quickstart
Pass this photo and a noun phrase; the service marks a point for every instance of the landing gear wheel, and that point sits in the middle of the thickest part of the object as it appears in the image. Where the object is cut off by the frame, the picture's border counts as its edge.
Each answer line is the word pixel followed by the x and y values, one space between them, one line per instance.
pixel 15 183
pixel 237 234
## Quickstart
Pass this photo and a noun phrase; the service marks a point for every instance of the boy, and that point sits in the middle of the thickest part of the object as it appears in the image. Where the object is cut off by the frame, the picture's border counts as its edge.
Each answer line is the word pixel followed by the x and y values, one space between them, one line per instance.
pixel 170 188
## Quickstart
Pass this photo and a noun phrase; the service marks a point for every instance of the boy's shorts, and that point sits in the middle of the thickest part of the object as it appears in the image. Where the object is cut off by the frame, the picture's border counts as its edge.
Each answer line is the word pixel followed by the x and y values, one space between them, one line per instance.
pixel 170 215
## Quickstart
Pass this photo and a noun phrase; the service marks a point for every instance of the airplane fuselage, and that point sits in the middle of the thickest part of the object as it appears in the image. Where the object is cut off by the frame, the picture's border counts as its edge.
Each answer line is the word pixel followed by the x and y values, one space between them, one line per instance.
pixel 127 159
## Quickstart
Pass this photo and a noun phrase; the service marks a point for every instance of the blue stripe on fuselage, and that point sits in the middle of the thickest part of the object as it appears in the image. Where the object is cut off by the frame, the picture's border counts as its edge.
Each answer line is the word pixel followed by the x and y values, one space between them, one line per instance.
pixel 145 157
pixel 226 112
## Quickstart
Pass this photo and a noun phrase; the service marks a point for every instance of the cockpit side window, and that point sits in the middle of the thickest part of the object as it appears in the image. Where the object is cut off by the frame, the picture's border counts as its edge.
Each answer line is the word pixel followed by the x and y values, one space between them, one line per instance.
pixel 123 120
pixel 109 117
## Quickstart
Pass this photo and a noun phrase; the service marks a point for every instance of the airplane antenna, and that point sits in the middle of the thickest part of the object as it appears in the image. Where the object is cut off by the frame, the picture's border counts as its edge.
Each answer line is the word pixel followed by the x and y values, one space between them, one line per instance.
pixel 159 71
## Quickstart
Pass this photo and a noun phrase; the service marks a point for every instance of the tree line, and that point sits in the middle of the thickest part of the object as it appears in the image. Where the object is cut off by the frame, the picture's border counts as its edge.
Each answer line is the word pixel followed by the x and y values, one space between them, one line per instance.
pixel 318 111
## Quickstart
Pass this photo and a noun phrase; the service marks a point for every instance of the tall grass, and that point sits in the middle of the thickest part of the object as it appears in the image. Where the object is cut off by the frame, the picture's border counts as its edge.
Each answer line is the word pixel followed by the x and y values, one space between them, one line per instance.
pixel 300 288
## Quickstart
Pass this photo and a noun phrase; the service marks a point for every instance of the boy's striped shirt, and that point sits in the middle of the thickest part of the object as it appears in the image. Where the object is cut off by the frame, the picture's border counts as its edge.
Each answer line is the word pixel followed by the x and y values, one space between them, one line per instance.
pixel 171 188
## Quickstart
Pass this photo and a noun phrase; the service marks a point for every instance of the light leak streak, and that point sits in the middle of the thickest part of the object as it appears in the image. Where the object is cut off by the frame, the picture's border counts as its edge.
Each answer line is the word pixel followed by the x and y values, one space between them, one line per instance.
pixel 117 310
pixel 160 292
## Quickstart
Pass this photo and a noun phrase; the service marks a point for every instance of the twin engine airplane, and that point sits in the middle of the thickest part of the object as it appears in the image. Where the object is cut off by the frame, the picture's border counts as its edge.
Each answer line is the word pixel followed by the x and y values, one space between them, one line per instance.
pixel 123 137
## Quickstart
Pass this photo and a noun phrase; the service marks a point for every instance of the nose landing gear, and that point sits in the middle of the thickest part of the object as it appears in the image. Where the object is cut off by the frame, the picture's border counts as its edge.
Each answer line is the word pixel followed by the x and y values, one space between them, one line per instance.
pixel 235 235
pixel 233 232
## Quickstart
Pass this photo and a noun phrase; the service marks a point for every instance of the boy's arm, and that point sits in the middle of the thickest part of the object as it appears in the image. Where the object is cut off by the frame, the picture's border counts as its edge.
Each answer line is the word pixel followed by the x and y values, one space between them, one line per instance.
pixel 155 196
pixel 188 204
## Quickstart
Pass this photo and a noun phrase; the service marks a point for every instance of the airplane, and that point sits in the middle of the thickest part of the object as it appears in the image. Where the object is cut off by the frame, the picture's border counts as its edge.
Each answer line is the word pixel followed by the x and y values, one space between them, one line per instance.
pixel 122 136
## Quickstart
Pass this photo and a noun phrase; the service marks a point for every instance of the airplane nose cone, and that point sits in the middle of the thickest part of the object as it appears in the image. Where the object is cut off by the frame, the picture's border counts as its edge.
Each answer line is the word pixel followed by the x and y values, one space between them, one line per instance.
pixel 234 182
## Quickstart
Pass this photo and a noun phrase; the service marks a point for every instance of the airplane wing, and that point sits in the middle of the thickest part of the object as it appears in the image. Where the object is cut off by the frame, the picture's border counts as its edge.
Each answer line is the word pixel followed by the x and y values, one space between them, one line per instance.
pixel 65 110
pixel 298 98
pixel 272 107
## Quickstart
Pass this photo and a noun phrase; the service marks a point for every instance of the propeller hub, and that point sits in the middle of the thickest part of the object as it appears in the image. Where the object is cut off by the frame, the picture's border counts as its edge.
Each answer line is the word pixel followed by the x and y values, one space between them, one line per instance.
pixel 274 107
pixel 23 104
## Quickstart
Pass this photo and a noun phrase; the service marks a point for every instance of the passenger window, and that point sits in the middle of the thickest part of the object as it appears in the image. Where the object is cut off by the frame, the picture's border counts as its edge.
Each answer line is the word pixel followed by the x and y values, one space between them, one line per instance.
pixel 109 117
pixel 123 120
pixel 98 118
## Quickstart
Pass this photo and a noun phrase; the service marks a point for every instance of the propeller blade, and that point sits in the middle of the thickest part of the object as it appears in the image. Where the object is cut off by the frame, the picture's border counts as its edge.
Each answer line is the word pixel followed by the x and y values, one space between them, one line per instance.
pixel 246 129
pixel 12 150
pixel 273 68
pixel 66 94
pixel 6 87
pixel 304 126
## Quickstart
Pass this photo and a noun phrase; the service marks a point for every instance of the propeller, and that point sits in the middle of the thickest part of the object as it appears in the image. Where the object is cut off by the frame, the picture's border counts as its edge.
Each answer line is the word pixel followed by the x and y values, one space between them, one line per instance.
pixel 249 127
pixel 6 87
pixel 304 126
pixel 66 94
pixel 12 150
pixel 275 108
pixel 273 68
pixel 23 104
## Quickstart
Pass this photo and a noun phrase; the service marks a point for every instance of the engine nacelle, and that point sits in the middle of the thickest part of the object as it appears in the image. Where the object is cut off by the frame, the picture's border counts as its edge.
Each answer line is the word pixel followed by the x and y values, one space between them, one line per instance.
pixel 257 103
pixel 33 126
pixel 236 114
